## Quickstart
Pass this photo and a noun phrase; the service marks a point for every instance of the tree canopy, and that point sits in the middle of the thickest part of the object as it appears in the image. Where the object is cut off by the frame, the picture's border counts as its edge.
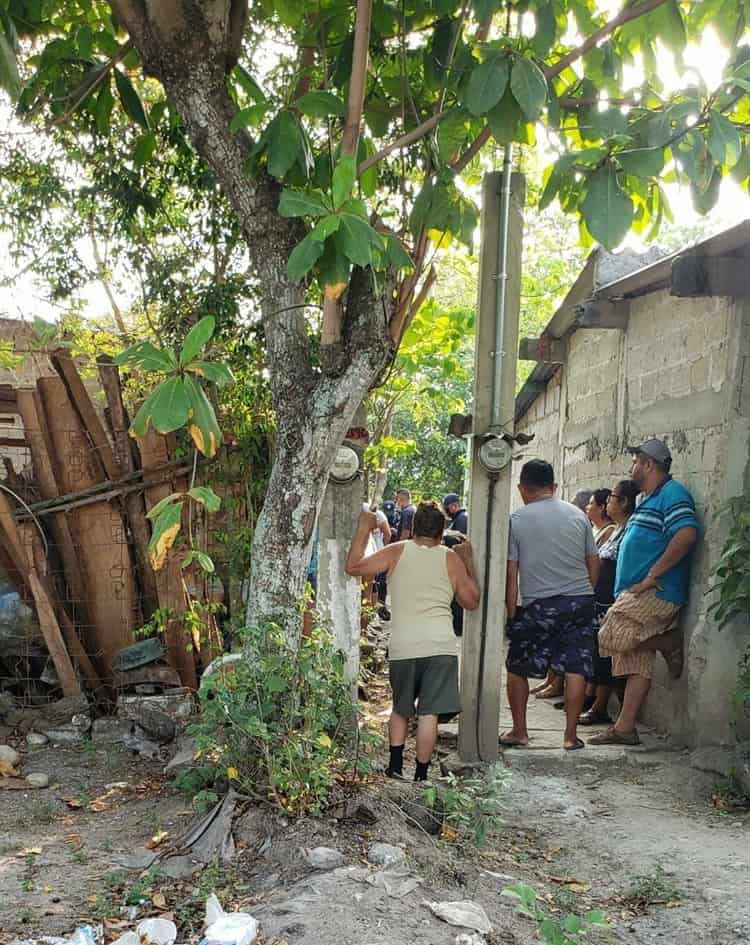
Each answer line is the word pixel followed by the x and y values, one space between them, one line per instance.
pixel 346 140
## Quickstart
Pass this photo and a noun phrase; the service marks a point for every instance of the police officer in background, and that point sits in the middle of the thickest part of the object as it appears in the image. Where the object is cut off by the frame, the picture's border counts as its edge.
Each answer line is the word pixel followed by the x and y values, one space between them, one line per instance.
pixel 455 533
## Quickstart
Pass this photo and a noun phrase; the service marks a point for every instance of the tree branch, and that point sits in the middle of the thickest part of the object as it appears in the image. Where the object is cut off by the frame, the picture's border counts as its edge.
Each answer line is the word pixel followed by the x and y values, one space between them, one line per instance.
pixel 624 16
pixel 88 85
pixel 474 148
pixel 409 138
pixel 356 97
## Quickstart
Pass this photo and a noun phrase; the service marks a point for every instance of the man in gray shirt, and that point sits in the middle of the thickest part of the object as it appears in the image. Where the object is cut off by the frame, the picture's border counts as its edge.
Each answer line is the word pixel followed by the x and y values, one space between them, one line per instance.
pixel 553 556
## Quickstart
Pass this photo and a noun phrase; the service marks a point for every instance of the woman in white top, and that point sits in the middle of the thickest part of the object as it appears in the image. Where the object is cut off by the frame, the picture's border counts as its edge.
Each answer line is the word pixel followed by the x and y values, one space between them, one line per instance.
pixel 423 576
pixel 597 513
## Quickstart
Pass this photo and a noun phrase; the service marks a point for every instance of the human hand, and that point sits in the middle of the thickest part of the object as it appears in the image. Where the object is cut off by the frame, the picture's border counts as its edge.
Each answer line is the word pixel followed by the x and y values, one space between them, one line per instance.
pixel 464 550
pixel 368 520
pixel 646 584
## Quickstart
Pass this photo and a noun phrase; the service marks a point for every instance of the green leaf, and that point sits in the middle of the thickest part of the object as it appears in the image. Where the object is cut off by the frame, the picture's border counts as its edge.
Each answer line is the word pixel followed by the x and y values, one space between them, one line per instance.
pixel 248 83
pixel 197 338
pixel 609 122
pixel 303 257
pixel 144 149
pixel 205 495
pixel 606 210
pixel 368 180
pixel 213 371
pixel 705 200
pixel 529 86
pixel 248 117
pixel 452 134
pixel 302 203
pixel 205 561
pixel 10 80
pixel 147 356
pixel 284 143
pixel 642 162
pixel 397 255
pixel 156 510
pixel 202 427
pixel 333 268
pixel 344 175
pixel 166 408
pixel 166 529
pixel 320 104
pixel 504 119
pixel 354 239
pixel 325 227
pixel 105 102
pixel 131 100
pixel 723 139
pixel 487 85
pixel 85 41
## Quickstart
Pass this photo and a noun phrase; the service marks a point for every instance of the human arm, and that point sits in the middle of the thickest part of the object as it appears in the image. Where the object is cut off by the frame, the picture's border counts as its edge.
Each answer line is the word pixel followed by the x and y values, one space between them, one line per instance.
pixel 511 589
pixel 358 562
pixel 679 546
pixel 463 576
pixel 385 528
pixel 593 566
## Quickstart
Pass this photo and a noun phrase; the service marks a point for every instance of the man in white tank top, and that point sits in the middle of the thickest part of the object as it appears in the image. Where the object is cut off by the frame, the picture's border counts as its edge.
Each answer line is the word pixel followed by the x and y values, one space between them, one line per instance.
pixel 423 576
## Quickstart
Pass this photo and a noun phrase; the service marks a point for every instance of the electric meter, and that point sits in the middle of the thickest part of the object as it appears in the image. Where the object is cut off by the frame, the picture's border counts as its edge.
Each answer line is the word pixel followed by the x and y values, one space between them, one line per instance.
pixel 495 453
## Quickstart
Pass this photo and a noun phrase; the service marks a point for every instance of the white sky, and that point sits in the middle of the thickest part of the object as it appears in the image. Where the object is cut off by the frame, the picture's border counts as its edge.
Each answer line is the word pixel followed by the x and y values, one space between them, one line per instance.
pixel 24 299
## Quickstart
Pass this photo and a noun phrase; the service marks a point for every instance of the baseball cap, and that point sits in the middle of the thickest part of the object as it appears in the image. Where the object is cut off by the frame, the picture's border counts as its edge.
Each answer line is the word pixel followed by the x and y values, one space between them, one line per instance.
pixel 450 498
pixel 656 450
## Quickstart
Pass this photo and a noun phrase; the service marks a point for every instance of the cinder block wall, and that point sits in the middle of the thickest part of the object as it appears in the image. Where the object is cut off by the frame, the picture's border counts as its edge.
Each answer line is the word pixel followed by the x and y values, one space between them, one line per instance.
pixel 680 371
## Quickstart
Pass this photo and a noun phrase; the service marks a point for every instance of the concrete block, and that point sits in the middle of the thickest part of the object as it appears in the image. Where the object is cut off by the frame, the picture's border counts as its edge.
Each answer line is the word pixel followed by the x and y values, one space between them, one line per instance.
pixel 695 342
pixel 699 372
pixel 714 759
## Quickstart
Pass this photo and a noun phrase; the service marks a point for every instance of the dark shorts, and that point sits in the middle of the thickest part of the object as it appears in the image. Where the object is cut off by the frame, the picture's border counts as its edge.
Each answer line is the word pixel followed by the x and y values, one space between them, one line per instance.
pixel 556 633
pixel 427 685
pixel 602 664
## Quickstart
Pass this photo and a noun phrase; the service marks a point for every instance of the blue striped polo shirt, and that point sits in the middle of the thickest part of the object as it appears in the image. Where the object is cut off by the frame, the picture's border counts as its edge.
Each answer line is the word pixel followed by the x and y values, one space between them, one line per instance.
pixel 650 529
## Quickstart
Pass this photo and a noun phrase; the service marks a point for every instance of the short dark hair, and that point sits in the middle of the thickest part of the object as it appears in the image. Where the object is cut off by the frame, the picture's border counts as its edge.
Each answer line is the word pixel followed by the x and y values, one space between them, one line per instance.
pixel 404 492
pixel 629 491
pixel 537 474
pixel 429 520
pixel 601 496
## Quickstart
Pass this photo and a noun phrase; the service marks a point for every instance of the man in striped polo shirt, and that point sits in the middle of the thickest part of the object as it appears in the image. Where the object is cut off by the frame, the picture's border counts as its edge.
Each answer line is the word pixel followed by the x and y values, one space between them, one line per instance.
pixel 651 585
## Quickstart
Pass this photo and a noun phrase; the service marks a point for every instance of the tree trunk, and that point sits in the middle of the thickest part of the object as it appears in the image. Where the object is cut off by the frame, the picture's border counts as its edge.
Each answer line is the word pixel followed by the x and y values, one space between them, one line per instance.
pixel 313 410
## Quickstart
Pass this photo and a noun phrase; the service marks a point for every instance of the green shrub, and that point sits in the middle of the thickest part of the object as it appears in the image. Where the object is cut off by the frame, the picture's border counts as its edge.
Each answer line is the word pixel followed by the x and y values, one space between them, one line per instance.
pixel 470 809
pixel 570 929
pixel 280 724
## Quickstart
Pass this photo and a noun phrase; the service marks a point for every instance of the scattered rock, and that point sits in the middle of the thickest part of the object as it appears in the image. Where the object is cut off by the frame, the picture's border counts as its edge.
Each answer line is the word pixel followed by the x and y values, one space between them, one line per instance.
pixel 470 938
pixel 324 858
pixel 9 758
pixel 149 716
pixel 136 741
pixel 184 757
pixel 178 867
pixel 420 816
pixel 713 759
pixel 59 714
pixel 109 731
pixel 463 912
pixel 36 739
pixel 38 779
pixel 69 735
pixel 384 854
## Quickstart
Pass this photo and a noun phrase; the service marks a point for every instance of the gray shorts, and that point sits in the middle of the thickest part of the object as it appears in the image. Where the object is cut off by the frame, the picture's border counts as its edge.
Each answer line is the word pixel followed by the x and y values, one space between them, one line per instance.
pixel 427 685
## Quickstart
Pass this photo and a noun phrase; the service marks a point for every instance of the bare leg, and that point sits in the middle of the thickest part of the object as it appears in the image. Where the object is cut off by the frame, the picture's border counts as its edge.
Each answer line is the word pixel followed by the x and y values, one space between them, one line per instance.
pixel 636 690
pixel 663 642
pixel 518 697
pixel 397 727
pixel 602 699
pixel 575 692
pixel 553 688
pixel 427 732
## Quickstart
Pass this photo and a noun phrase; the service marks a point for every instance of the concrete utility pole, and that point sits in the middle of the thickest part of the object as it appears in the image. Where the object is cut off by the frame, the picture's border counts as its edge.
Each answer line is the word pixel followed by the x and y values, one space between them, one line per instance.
pixel 489 492
pixel 339 597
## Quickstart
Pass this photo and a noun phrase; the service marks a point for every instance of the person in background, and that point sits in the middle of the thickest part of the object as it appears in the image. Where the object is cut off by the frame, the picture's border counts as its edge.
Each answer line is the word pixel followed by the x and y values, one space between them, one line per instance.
pixel 651 585
pixel 380 537
pixel 391 512
pixel 455 533
pixel 459 520
pixel 552 555
pixel 423 576
pixel 406 515
pixel 596 509
pixel 620 506
pixel 581 499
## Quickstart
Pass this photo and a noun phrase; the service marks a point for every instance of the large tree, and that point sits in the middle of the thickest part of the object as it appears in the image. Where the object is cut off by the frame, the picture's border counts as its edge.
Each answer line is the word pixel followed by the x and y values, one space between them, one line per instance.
pixel 341 136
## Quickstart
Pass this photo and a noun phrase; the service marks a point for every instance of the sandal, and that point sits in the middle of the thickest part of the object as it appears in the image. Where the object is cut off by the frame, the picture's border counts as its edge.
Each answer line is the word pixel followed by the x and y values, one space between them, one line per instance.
pixel 613 737
pixel 548 694
pixel 594 718
pixel 576 746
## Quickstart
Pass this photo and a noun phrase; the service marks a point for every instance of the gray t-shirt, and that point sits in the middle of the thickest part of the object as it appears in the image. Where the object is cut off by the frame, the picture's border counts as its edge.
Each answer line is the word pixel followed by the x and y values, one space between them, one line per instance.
pixel 551 539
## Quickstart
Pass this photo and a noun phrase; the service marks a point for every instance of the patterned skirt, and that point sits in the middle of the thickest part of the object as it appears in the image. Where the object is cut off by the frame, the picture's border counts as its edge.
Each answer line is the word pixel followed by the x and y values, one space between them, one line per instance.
pixel 632 619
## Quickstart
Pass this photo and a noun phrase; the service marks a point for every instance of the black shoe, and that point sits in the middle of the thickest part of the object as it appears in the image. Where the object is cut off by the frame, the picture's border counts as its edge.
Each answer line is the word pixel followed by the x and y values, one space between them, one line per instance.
pixel 384 613
pixel 396 775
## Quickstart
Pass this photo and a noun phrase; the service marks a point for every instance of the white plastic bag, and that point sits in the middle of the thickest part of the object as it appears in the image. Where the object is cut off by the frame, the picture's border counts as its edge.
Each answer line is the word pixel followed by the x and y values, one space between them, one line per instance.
pixel 156 932
pixel 228 928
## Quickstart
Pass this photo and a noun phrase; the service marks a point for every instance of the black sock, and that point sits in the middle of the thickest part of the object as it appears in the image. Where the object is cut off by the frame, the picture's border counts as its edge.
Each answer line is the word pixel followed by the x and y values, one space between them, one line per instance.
pixel 396 763
pixel 422 768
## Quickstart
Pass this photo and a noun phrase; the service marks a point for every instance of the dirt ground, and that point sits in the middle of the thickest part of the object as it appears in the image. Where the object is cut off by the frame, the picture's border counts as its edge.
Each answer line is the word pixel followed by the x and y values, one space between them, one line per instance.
pixel 637 834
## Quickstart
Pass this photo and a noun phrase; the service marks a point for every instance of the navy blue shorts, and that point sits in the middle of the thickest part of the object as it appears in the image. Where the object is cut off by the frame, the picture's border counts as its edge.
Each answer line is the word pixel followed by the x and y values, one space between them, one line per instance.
pixel 556 633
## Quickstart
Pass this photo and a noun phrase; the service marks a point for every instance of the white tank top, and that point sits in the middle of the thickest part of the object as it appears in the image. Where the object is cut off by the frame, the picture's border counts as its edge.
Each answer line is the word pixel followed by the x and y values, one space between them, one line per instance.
pixel 421 595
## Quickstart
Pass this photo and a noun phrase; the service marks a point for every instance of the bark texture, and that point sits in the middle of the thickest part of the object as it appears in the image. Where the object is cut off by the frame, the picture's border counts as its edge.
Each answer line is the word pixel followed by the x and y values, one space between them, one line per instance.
pixel 190 46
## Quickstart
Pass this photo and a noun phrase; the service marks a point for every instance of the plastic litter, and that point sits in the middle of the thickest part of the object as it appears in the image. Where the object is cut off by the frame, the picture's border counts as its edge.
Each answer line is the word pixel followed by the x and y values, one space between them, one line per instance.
pixel 470 938
pixel 86 935
pixel 464 913
pixel 228 928
pixel 156 932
